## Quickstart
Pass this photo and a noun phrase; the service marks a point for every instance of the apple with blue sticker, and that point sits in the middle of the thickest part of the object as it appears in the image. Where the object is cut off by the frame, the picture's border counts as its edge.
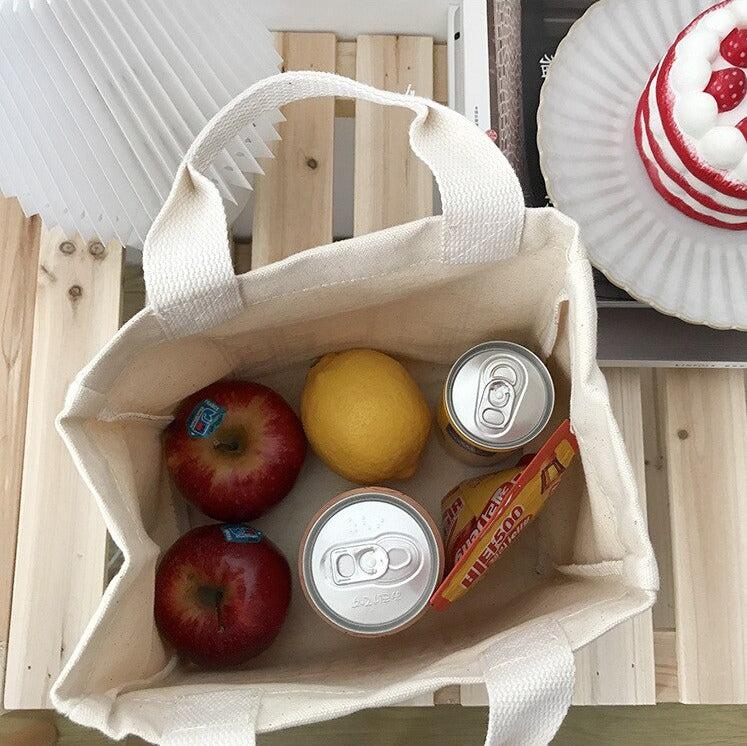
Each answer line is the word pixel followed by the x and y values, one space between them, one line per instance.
pixel 222 594
pixel 234 449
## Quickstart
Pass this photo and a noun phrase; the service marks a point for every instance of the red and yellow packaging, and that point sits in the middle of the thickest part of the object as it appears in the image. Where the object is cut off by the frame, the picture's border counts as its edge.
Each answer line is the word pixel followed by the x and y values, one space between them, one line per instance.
pixel 482 516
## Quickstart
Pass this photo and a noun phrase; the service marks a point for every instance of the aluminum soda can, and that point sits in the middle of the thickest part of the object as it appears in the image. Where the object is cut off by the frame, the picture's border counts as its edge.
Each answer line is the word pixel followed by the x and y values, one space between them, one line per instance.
pixel 498 397
pixel 370 560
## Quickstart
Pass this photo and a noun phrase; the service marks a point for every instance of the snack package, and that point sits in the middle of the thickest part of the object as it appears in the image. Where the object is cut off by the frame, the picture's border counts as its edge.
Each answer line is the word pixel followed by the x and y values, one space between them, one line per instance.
pixel 482 516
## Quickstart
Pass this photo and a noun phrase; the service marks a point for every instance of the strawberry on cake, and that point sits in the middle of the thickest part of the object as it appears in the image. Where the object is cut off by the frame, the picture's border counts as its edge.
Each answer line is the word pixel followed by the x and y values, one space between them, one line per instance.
pixel 691 122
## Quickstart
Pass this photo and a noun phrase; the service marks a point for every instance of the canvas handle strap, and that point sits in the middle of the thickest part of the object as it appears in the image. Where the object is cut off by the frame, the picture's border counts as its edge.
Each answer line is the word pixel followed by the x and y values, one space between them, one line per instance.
pixel 529 675
pixel 482 199
pixel 227 717
pixel 187 262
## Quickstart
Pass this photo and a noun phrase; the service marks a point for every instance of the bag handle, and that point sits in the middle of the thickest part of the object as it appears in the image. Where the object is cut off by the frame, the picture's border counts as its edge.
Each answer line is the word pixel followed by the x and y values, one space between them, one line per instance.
pixel 529 675
pixel 479 189
pixel 225 716
pixel 186 258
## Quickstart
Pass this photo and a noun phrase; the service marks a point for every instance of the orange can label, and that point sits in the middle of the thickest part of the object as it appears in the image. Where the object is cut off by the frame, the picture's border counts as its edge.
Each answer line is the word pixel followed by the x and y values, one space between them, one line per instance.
pixel 483 516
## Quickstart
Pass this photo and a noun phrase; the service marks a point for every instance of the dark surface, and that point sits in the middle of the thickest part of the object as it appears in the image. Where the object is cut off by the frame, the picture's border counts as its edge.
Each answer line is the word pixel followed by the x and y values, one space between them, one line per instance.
pixel 633 335
pixel 664 725
pixel 584 726
pixel 544 24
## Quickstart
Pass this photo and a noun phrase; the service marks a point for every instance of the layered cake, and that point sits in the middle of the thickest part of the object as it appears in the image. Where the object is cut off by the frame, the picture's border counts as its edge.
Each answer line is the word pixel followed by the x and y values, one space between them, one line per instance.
pixel 691 122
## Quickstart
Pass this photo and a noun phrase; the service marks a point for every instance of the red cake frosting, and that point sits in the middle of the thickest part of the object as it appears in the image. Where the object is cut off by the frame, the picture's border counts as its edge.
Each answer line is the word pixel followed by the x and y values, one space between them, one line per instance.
pixel 691 121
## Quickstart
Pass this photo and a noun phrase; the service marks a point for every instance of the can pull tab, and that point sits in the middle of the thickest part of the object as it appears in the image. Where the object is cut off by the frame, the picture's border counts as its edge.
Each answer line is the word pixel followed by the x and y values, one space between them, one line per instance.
pixel 502 385
pixel 388 559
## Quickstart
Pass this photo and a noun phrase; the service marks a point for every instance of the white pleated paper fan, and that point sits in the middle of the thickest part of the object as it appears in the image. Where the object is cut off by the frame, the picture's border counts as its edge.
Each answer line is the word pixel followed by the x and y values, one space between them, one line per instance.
pixel 100 99
pixel 594 173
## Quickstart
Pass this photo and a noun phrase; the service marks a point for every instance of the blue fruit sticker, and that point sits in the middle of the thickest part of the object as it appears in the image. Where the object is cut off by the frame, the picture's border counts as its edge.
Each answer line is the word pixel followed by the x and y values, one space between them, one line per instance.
pixel 241 533
pixel 205 419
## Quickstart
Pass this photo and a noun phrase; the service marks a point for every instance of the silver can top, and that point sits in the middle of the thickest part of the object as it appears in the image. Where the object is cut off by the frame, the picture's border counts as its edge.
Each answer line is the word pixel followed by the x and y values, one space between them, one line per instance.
pixel 499 395
pixel 371 561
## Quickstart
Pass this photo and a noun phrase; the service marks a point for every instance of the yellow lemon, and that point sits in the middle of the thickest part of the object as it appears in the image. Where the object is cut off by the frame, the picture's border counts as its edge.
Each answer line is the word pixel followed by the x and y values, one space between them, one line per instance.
pixel 365 416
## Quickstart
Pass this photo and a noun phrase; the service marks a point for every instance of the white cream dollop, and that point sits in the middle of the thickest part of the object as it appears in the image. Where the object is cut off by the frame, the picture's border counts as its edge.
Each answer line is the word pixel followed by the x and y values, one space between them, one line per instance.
pixel 696 113
pixel 690 74
pixel 739 8
pixel 701 42
pixel 740 172
pixel 722 21
pixel 723 147
pixel 697 55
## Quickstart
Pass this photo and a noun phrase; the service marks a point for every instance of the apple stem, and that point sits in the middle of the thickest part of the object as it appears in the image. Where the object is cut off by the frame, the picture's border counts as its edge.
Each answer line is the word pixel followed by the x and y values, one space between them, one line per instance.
pixel 210 595
pixel 220 621
pixel 230 440
pixel 227 447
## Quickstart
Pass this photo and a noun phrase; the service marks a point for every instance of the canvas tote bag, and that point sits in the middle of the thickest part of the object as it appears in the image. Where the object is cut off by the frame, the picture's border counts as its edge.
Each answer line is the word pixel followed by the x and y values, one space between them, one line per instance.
pixel 425 292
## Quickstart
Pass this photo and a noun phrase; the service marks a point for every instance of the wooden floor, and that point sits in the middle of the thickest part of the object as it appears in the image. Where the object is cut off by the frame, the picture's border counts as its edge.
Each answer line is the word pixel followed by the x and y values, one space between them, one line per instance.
pixel 686 432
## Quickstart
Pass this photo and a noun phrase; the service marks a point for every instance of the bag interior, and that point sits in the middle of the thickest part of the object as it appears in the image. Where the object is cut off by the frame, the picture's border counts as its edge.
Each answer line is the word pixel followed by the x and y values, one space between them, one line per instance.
pixel 425 314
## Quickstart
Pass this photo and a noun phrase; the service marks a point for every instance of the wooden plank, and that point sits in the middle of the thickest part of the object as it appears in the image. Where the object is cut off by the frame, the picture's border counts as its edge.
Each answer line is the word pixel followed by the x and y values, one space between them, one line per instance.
pixel 447 695
pixel 706 447
pixel 665 656
pixel 618 668
pixel 61 535
pixel 133 291
pixel 440 75
pixel 19 257
pixel 345 65
pixel 657 497
pixel 392 186
pixel 293 205
pixel 242 257
pixel 30 729
pixel 345 107
pixel 345 59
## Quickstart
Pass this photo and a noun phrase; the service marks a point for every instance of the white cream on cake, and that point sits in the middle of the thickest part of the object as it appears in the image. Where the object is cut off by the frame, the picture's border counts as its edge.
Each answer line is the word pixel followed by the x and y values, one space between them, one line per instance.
pixel 679 193
pixel 697 56
pixel 656 130
pixel 691 124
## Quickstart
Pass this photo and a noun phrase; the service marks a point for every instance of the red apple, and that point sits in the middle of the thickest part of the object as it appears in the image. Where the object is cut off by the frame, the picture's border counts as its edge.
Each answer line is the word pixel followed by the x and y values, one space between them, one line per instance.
pixel 234 449
pixel 221 595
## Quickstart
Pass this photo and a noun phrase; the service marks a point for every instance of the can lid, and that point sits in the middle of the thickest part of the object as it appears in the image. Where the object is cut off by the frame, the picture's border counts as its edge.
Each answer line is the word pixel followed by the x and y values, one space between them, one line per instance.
pixel 499 395
pixel 371 561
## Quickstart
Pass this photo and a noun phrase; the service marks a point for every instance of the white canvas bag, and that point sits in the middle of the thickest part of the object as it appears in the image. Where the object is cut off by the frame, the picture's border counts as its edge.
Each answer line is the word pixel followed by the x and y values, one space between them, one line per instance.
pixel 426 291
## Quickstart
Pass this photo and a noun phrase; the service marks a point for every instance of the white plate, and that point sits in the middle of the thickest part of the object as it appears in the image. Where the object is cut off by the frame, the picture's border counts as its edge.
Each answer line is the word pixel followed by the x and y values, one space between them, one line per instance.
pixel 594 173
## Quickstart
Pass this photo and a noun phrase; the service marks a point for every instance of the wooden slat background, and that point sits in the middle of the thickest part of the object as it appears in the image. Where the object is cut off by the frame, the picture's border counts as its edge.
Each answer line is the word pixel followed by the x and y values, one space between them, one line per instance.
pixel 618 668
pixel 705 437
pixel 61 536
pixel 686 431
pixel 298 181
pixel 657 496
pixel 665 656
pixel 19 256
pixel 392 185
